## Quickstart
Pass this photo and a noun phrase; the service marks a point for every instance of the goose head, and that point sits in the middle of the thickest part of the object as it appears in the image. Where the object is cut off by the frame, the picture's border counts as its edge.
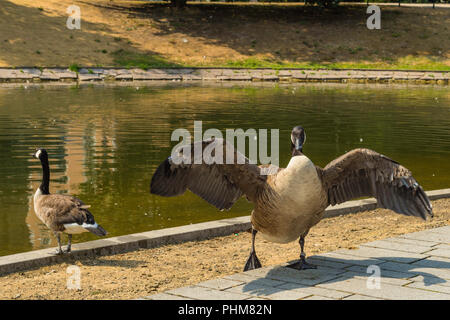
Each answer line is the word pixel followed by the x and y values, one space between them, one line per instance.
pixel 40 154
pixel 298 138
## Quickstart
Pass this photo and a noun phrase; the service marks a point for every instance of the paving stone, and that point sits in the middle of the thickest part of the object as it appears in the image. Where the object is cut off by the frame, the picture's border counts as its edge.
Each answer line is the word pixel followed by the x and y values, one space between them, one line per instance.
pixel 317 298
pixel 386 291
pixel 202 293
pixel 155 75
pixel 439 252
pixel 299 74
pixel 208 74
pixel 417 270
pixel 286 295
pixel 265 77
pixel 444 229
pixel 34 73
pixel 429 235
pixel 310 290
pixel 121 74
pixel 257 289
pixel 390 245
pixel 442 246
pixel 180 71
pixel 430 280
pixel 383 278
pixel 384 254
pixel 384 272
pixel 360 297
pixel 14 74
pixel 434 262
pixel 241 277
pixel 165 296
pixel 189 77
pixel 285 73
pixel 327 263
pixel 266 282
pixel 49 75
pixel 123 77
pixel 343 258
pixel 89 77
pixel 330 77
pixel 240 77
pixel 67 74
pixel 220 284
pixel 253 289
pixel 223 78
pixel 400 75
pixel 306 277
pixel 413 242
pixel 430 287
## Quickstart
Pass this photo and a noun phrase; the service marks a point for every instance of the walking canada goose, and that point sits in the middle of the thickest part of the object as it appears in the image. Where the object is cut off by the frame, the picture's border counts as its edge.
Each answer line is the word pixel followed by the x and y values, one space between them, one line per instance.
pixel 293 199
pixel 62 213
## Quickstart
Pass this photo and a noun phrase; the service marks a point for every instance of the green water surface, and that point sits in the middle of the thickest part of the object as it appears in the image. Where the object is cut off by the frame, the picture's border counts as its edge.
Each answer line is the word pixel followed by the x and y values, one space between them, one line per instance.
pixel 104 143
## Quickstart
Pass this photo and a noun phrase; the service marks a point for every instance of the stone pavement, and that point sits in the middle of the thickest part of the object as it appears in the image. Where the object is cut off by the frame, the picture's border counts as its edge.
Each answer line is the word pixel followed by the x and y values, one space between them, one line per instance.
pixel 32 75
pixel 411 266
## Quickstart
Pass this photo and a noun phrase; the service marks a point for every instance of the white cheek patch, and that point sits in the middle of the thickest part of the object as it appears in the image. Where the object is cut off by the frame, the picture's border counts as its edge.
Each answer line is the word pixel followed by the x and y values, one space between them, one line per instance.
pixel 38 153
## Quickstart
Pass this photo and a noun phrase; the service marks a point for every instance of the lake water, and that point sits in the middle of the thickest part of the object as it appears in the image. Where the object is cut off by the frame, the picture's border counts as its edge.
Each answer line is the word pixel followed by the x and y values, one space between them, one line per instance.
pixel 105 142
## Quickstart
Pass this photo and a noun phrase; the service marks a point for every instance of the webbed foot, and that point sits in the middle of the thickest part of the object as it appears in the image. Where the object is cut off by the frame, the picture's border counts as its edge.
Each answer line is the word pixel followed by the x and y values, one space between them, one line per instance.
pixel 252 262
pixel 302 265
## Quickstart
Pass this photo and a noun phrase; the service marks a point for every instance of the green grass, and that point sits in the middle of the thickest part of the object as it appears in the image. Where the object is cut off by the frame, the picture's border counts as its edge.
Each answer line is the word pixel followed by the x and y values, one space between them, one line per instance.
pixel 129 59
pixel 407 63
pixel 74 67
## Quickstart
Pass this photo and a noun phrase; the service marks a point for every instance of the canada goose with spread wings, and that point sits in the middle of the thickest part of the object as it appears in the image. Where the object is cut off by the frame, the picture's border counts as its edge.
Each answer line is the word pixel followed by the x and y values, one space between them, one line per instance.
pixel 62 213
pixel 290 201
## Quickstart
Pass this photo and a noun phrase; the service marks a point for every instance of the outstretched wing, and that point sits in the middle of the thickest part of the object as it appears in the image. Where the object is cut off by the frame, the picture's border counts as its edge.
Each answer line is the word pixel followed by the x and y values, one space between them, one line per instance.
pixel 363 172
pixel 212 169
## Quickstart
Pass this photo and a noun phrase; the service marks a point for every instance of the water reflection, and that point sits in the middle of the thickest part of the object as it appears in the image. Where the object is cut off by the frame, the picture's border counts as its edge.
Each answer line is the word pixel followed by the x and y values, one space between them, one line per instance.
pixel 105 142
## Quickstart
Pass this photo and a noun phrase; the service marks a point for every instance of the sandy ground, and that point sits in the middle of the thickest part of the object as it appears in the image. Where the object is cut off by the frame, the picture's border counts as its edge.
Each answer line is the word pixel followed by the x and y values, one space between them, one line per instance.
pixel 144 272
pixel 34 33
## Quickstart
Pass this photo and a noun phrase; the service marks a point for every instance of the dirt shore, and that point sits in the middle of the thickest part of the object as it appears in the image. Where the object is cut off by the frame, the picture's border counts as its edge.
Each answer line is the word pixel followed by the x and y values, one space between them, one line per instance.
pixel 144 272
pixel 143 34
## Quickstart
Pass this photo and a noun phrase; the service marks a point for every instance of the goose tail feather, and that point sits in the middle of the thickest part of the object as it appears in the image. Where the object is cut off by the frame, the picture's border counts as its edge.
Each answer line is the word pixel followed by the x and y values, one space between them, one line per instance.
pixel 98 230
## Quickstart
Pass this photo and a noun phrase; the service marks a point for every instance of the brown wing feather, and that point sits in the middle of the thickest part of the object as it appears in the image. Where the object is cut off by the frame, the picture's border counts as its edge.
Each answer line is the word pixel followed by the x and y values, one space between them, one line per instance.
pixel 219 184
pixel 58 209
pixel 363 172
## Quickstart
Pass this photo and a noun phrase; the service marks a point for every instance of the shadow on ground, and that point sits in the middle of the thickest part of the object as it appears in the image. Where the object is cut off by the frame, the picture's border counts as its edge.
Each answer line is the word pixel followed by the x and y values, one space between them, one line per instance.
pixel 330 271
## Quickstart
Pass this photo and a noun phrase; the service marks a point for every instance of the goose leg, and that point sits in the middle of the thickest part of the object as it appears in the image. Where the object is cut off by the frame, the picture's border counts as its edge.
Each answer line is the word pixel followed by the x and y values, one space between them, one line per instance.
pixel 58 238
pixel 302 264
pixel 69 243
pixel 252 261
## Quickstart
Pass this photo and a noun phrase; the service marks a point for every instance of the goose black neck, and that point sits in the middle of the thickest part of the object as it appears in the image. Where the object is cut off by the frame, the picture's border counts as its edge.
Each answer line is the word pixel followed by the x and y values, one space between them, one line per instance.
pixel 295 151
pixel 45 176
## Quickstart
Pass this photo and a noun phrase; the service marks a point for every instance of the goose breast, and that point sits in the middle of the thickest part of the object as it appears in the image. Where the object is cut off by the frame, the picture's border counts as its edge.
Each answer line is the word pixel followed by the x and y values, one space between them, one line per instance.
pixel 300 204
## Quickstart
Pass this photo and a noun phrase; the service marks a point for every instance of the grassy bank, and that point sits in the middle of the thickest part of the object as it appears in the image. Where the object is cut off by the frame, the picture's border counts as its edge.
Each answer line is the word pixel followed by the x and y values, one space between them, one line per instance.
pixel 141 34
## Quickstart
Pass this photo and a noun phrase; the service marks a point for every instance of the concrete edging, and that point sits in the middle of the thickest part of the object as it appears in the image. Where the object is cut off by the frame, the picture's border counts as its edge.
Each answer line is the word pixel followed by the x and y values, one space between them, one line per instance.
pixel 86 74
pixel 156 238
